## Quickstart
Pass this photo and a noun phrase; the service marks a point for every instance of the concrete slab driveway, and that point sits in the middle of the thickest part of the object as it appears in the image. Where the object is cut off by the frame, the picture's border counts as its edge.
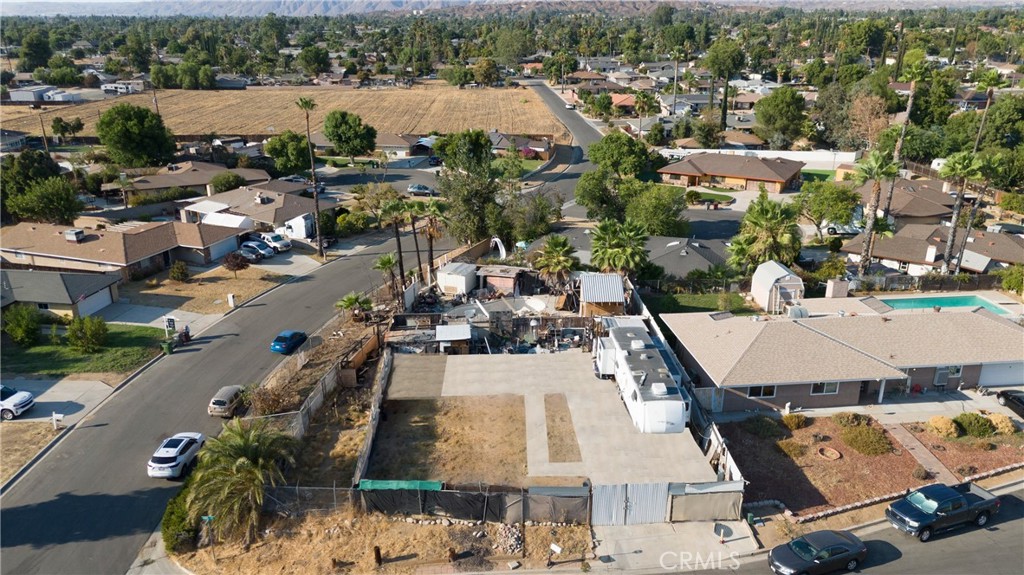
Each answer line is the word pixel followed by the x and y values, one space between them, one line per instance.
pixel 154 316
pixel 288 263
pixel 71 398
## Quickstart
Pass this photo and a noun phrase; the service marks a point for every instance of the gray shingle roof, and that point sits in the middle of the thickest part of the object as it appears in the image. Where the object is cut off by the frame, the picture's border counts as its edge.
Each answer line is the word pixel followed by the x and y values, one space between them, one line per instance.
pixel 53 287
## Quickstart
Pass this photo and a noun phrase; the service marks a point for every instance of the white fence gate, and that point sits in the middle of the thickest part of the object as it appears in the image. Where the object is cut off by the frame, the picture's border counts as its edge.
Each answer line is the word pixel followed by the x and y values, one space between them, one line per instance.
pixel 630 504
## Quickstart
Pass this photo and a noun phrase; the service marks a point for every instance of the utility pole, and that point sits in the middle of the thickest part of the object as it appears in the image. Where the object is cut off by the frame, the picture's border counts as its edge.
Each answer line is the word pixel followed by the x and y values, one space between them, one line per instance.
pixel 42 126
pixel 156 104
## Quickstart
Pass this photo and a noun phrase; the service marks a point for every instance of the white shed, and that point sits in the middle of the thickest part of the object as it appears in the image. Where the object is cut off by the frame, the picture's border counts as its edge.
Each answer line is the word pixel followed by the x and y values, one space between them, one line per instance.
pixel 456 278
pixel 774 285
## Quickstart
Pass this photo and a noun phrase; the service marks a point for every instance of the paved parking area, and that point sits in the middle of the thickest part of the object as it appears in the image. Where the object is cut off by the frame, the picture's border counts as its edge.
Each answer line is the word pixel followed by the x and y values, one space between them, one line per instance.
pixel 72 398
pixel 154 316
pixel 289 263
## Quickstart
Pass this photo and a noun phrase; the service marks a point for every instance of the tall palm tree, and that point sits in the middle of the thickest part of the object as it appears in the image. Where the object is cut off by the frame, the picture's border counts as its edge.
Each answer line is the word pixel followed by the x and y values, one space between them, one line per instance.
pixel 618 247
pixel 413 211
pixel 386 264
pixel 961 167
pixel 393 214
pixel 356 303
pixel 676 55
pixel 645 106
pixel 916 72
pixel 989 82
pixel 556 260
pixel 435 220
pixel 690 79
pixel 233 471
pixel 768 232
pixel 307 105
pixel 877 167
pixel 989 167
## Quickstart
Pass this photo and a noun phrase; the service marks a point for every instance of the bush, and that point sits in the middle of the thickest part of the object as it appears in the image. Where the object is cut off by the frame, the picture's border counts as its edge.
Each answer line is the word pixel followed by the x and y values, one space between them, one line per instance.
pixel 794 421
pixel 966 470
pixel 178 532
pixel 54 336
pixel 1012 202
pixel 692 196
pixel 266 401
pixel 226 181
pixel 762 426
pixel 21 322
pixel 1003 425
pixel 850 419
pixel 866 440
pixel 975 424
pixel 170 195
pixel 352 223
pixel 983 445
pixel 792 448
pixel 87 334
pixel 920 473
pixel 943 427
pixel 179 271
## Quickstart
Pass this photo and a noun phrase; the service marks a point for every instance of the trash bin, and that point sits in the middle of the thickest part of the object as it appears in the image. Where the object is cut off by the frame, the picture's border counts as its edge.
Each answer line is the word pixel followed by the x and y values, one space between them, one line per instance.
pixel 168 347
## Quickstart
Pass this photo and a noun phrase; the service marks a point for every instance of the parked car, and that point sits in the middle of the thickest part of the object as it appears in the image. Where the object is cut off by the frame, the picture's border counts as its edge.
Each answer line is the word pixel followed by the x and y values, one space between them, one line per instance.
pixel 260 247
pixel 175 455
pixel 818 552
pixel 275 240
pixel 570 106
pixel 296 179
pixel 226 401
pixel 251 255
pixel 287 341
pixel 13 402
pixel 1005 228
pixel 938 507
pixel 421 190
pixel 434 161
pixel 835 229
pixel 1013 399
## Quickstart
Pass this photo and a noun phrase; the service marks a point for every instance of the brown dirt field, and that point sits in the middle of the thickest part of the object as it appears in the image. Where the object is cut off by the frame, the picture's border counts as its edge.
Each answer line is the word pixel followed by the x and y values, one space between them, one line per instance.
pixel 458 440
pixel 21 441
pixel 202 293
pixel 332 443
pixel 420 110
pixel 562 444
pixel 962 452
pixel 305 545
pixel 812 483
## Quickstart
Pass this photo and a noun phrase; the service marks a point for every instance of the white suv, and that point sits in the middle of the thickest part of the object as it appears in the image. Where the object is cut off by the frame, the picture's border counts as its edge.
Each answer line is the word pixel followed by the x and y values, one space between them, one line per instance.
pixel 175 455
pixel 276 241
pixel 13 402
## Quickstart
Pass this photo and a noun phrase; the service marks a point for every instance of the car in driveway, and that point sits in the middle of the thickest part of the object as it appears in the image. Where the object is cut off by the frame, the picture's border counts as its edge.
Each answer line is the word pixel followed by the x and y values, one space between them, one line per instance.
pixel 1012 398
pixel 13 402
pixel 263 249
pixel 287 341
pixel 420 190
pixel 818 552
pixel 252 256
pixel 434 161
pixel 175 455
pixel 275 240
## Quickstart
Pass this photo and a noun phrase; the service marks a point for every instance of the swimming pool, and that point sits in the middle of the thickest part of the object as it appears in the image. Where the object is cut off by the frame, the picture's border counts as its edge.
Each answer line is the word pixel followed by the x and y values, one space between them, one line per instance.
pixel 943 301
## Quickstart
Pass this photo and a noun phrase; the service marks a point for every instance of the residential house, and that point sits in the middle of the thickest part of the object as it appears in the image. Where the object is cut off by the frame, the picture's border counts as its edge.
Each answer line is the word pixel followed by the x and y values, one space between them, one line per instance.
pixel 643 85
pixel 84 45
pixel 68 295
pixel 624 77
pixel 602 294
pixel 605 65
pixel 917 249
pixel 395 145
pixel 741 140
pixel 595 87
pixel 584 76
pixel 502 144
pixel 12 140
pixel 692 104
pixel 532 69
pixel 231 82
pixel 901 88
pixel 734 172
pixel 195 176
pixel 838 358
pixel 913 201
pixel 626 103
pixel 744 101
pixel 681 256
pixel 246 207
pixel 970 99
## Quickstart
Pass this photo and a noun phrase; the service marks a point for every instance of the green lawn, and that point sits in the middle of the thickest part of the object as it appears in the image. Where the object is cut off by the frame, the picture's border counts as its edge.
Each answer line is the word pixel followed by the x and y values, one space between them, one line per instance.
pixel 128 347
pixel 689 303
pixel 72 149
pixel 528 165
pixel 722 190
pixel 818 175
pixel 703 195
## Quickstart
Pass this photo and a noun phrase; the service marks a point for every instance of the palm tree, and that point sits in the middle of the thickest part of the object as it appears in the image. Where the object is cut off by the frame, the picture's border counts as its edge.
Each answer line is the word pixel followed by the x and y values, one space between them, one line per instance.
pixel 990 167
pixel 645 106
pixel 917 72
pixel 877 167
pixel 556 260
pixel 433 229
pixel 386 264
pixel 989 82
pixel 618 247
pixel 768 232
pixel 676 55
pixel 307 105
pixel 960 166
pixel 356 303
pixel 234 470
pixel 689 78
pixel 393 214
pixel 414 210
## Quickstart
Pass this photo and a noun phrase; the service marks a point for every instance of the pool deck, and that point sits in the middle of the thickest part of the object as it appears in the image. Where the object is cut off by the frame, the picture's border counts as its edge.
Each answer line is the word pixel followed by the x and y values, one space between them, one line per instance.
pixel 1012 306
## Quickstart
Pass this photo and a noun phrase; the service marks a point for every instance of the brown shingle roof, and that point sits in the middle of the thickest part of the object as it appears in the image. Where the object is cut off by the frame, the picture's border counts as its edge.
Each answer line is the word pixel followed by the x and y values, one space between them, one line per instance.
pixel 742 138
pixel 395 140
pixel 911 243
pixel 191 174
pixel 913 198
pixel 276 209
pixel 751 168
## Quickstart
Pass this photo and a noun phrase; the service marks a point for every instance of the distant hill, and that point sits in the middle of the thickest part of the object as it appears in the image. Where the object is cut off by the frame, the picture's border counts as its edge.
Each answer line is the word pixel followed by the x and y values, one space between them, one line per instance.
pixel 474 7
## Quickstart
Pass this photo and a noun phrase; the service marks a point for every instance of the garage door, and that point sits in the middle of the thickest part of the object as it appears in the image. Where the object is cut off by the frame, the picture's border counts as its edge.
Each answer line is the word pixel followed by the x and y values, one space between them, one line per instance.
pixel 223 248
pixel 997 374
pixel 94 303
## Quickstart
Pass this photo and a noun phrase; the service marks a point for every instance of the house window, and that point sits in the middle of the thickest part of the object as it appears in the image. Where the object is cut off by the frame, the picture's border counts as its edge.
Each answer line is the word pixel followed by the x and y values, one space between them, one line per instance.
pixel 19 255
pixel 825 388
pixel 43 305
pixel 943 374
pixel 761 391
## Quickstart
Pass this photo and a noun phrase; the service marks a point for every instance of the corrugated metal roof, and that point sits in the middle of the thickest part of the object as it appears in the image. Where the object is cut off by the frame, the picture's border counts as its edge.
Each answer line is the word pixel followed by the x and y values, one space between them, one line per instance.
pixel 457 268
pixel 457 332
pixel 602 288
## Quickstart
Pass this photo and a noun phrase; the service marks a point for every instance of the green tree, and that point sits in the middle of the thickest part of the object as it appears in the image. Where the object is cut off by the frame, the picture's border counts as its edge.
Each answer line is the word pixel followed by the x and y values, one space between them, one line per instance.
pixel 917 72
pixel 35 51
pixel 356 304
pixel 289 151
pixel 51 200
pixel 348 134
pixel 307 105
pixel 135 136
pixel 619 154
pixel 485 72
pixel 960 167
pixel 660 209
pixel 393 214
pixel 386 265
pixel 234 470
pixel 178 271
pixel 457 75
pixel 226 181
pixel 414 210
pixel 434 220
pixel 781 113
pixel 22 322
pixel 618 246
pixel 558 66
pixel 706 132
pixel 468 151
pixel 825 201
pixel 646 105
pixel 207 78
pixel 877 167
pixel 468 182
pixel 18 172
pixel 595 191
pixel 768 232
pixel 372 197
pixel 988 83
pixel 723 59
pixel 1013 278
pixel 314 60
pixel 87 334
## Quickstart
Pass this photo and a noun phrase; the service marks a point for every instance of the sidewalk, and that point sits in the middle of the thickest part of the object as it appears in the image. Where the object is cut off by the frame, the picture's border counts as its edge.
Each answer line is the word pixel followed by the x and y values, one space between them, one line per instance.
pixel 939 471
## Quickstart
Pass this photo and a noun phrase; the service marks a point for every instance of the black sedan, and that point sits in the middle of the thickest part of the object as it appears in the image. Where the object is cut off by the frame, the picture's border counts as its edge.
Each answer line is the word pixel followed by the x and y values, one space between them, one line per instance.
pixel 818 552
pixel 1013 399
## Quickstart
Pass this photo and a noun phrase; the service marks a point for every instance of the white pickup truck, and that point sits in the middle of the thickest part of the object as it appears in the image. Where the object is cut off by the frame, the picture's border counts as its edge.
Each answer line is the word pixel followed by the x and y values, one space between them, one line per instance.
pixel 13 402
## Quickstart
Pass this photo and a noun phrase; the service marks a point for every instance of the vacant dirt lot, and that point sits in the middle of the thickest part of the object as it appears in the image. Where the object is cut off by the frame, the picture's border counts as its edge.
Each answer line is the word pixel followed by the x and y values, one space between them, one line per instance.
pixel 459 440
pixel 562 444
pixel 202 293
pixel 22 440
pixel 419 110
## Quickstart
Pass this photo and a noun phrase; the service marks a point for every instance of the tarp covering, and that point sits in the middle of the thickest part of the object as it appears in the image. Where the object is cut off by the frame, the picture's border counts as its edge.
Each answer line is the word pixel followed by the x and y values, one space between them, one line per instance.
pixel 393 484
pixel 393 501
pixel 457 504
pixel 553 508
pixel 707 507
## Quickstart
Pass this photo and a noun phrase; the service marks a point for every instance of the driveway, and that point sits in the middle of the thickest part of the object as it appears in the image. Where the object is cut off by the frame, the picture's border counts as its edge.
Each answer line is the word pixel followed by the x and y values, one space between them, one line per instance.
pixel 72 398
pixel 154 316
pixel 289 263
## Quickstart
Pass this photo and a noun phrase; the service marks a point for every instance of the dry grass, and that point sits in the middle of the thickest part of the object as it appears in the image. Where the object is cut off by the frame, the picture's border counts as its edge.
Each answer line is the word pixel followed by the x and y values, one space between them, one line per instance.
pixel 420 110
pixel 562 444
pixel 205 293
pixel 332 443
pixel 458 440
pixel 21 441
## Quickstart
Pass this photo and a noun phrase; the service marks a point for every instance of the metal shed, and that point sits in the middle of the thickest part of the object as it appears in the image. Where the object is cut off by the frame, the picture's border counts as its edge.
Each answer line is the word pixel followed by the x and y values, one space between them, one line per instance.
pixel 775 285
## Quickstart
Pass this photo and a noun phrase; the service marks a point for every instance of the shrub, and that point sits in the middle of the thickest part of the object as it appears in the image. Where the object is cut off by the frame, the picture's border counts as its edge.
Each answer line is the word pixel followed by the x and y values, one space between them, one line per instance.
pixel 1012 202
pixel 850 419
pixel 966 470
pixel 225 181
pixel 920 473
pixel 692 196
pixel 762 426
pixel 792 448
pixel 179 271
pixel 983 445
pixel 266 401
pixel 794 421
pixel 975 424
pixel 1003 425
pixel 87 334
pixel 943 427
pixel 235 262
pixel 866 440
pixel 22 322
pixel 54 336
pixel 170 195
pixel 178 532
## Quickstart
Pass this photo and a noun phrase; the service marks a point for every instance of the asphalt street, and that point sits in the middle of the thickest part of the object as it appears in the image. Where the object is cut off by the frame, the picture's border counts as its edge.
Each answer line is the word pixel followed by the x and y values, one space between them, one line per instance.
pixel 88 506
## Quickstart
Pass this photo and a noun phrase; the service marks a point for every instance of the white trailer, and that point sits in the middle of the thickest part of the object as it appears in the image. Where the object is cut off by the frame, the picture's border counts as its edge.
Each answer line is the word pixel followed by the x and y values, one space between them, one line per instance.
pixel 654 402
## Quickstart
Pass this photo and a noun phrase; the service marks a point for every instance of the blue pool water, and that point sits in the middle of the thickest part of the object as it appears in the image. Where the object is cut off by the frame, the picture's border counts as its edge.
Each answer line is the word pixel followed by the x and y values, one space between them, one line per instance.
pixel 943 301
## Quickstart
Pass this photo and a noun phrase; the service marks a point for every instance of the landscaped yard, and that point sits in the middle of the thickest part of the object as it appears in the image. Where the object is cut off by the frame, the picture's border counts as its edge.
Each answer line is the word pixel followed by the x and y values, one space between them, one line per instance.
pixel 970 455
pixel 528 165
pixel 818 175
pixel 127 348
pixel 206 292
pixel 689 303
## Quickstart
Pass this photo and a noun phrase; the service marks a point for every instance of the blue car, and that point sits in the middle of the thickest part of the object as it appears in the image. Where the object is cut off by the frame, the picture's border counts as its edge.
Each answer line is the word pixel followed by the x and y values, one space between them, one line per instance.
pixel 287 341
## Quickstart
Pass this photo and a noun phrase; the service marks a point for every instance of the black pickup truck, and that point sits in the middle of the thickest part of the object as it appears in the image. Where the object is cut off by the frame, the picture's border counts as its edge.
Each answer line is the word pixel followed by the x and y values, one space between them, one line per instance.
pixel 936 508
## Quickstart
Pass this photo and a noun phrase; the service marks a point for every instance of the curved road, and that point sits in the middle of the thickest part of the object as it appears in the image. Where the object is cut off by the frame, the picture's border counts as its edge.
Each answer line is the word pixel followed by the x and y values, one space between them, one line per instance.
pixel 88 506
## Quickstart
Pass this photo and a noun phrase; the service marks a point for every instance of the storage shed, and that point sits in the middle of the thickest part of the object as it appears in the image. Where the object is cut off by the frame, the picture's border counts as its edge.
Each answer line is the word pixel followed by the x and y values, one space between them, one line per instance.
pixel 456 278
pixel 602 294
pixel 775 285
